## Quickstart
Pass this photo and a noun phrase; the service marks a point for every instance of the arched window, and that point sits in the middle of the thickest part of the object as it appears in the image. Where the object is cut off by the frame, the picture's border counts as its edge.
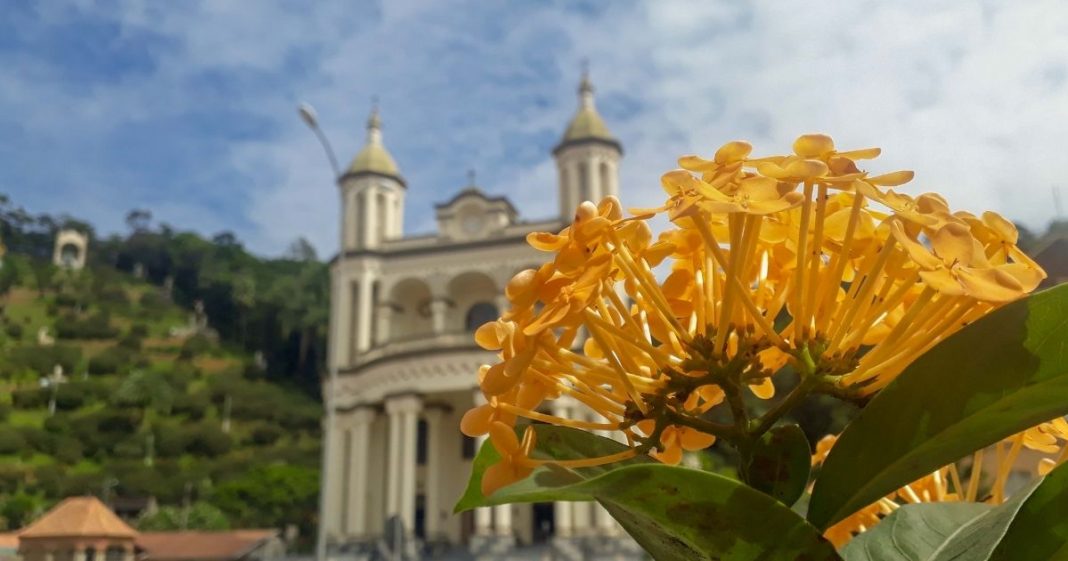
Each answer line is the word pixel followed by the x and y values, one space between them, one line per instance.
pixel 479 314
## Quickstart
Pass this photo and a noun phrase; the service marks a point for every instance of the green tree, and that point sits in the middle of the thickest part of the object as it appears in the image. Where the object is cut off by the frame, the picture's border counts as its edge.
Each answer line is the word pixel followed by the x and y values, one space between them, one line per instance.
pixel 273 494
pixel 197 516
pixel 21 508
pixel 146 389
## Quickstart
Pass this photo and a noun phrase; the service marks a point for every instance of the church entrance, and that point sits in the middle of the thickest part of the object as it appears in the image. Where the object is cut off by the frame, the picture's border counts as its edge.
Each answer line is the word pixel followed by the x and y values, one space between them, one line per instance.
pixel 543 519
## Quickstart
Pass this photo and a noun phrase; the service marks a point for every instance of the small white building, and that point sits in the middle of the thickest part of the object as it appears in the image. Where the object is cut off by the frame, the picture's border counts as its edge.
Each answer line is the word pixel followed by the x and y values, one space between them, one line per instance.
pixel 403 313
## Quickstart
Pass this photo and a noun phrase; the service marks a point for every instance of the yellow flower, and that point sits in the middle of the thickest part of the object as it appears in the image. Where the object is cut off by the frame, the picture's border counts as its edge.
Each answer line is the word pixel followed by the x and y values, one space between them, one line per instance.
pixel 956 265
pixel 674 440
pixel 798 262
pixel 513 465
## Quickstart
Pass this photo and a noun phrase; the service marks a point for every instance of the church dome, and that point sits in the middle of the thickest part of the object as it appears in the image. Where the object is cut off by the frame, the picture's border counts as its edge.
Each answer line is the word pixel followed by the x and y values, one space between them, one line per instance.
pixel 587 123
pixel 373 157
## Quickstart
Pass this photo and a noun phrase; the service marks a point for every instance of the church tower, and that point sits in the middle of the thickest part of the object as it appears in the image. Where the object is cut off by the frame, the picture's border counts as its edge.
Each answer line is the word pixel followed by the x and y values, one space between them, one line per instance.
pixel 587 157
pixel 372 191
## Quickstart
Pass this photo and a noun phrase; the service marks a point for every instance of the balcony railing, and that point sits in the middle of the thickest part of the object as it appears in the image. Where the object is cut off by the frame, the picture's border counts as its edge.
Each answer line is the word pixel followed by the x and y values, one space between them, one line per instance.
pixel 415 344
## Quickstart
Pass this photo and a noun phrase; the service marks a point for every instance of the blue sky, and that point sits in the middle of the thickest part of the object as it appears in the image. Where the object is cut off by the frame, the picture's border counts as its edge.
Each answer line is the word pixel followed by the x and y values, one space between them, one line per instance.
pixel 188 108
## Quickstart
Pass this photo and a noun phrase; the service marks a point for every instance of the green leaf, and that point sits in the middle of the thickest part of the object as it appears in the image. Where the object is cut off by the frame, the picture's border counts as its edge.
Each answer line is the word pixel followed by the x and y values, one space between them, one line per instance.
pixel 780 463
pixel 994 378
pixel 912 532
pixel 675 513
pixel 1032 525
pixel 559 443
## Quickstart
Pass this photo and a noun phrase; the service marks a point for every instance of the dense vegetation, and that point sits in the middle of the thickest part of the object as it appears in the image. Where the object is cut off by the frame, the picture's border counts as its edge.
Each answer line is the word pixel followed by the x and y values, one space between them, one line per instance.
pixel 219 425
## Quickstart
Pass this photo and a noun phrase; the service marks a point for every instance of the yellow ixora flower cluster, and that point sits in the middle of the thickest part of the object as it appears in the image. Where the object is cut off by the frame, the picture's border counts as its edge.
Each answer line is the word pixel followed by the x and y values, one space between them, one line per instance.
pixel 802 261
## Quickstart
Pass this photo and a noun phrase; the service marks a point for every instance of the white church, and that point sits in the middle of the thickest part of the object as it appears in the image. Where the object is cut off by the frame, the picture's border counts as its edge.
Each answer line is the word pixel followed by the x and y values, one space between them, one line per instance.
pixel 404 309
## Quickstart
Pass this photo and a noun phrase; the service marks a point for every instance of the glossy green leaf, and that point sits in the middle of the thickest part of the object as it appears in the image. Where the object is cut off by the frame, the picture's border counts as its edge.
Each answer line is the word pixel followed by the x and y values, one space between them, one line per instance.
pixel 675 513
pixel 559 443
pixel 1040 529
pixel 1032 525
pixel 996 377
pixel 912 532
pixel 780 463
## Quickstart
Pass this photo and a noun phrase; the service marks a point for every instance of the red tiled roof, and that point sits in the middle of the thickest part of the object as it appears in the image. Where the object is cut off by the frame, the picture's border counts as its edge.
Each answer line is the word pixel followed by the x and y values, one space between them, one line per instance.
pixel 201 546
pixel 9 540
pixel 79 517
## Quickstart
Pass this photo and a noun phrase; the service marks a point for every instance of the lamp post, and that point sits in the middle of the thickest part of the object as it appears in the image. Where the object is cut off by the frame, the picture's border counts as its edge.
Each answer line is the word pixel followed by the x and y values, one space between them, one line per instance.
pixel 310 118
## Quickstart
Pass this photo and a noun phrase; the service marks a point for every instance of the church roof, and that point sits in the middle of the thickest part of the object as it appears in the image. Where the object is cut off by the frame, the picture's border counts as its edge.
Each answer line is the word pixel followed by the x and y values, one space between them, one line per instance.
pixel 202 546
pixel 79 517
pixel 587 124
pixel 373 157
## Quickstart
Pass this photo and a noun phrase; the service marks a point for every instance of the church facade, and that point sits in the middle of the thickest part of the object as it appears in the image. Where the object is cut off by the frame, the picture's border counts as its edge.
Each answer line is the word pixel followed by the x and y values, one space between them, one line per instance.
pixel 403 313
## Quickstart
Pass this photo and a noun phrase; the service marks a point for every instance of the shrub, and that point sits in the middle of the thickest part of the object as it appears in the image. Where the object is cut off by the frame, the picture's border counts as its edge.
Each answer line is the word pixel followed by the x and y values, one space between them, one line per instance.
pixel 133 447
pixel 38 439
pixel 195 346
pixel 60 423
pixel 110 360
pixel 207 439
pixel 11 441
pixel 13 330
pixel 153 301
pixel 193 405
pixel 5 412
pixel 264 434
pixel 95 326
pixel 139 330
pixel 29 398
pixel 67 450
pixel 171 441
pixel 70 396
pixel 65 300
pixel 131 342
pixel 114 295
pixel 43 360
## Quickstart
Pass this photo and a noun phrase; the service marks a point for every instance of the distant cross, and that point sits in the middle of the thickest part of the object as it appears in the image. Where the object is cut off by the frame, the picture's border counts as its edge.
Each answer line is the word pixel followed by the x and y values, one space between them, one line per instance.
pixel 471 177
pixel 585 65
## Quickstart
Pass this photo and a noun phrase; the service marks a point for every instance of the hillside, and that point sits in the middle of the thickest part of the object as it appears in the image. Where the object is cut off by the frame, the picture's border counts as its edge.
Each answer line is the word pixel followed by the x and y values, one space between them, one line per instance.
pixel 150 404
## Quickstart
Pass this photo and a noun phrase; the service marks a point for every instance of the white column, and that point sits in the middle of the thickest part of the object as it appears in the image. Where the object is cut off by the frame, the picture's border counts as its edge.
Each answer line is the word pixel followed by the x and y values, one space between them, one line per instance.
pixel 582 514
pixel 562 510
pixel 593 180
pixel 439 309
pixel 574 193
pixel 484 515
pixel 432 504
pixel 407 507
pixel 398 213
pixel 502 303
pixel 603 522
pixel 370 218
pixel 351 217
pixel 360 439
pixel 613 179
pixel 342 306
pixel 394 461
pixel 502 520
pixel 382 327
pixel 406 408
pixel 364 309
pixel 334 474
